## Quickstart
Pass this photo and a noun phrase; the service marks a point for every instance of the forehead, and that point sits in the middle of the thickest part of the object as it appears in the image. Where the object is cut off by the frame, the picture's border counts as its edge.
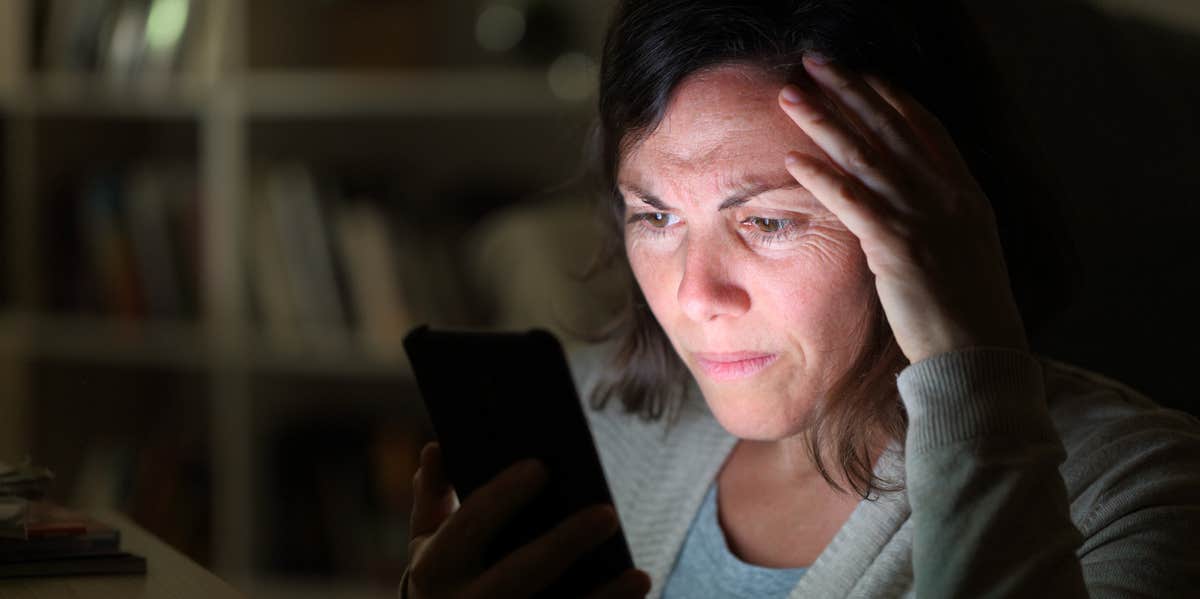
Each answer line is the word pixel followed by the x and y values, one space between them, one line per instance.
pixel 719 122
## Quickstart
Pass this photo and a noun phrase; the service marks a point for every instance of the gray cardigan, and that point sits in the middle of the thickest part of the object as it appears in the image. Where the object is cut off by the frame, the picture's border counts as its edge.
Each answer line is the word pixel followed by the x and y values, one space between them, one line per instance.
pixel 1024 477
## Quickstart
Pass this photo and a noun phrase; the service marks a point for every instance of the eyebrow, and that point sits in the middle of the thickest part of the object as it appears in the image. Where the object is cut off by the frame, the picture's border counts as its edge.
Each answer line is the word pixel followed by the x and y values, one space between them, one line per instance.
pixel 748 192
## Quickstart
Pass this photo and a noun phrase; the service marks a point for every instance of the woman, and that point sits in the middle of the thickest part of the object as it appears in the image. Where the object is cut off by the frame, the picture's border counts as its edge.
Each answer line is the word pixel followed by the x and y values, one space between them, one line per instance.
pixel 824 386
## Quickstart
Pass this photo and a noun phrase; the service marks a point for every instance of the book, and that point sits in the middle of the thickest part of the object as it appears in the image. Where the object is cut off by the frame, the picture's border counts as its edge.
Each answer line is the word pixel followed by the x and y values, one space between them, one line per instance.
pixel 268 273
pixel 102 223
pixel 369 257
pixel 113 563
pixel 294 198
pixel 169 29
pixel 125 41
pixel 149 224
pixel 123 38
pixel 73 31
pixel 94 541
pixel 160 210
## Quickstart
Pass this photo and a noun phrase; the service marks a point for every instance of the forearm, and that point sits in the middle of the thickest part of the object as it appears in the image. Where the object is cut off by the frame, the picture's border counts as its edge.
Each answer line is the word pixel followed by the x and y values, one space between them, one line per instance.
pixel 988 503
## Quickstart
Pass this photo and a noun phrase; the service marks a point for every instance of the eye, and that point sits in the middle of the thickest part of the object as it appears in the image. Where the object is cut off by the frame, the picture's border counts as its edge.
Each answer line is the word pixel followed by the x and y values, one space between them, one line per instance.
pixel 655 220
pixel 769 231
pixel 768 225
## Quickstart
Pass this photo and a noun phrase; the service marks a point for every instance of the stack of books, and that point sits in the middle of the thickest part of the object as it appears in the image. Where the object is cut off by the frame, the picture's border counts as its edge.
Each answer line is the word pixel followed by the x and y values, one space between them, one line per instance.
pixel 38 538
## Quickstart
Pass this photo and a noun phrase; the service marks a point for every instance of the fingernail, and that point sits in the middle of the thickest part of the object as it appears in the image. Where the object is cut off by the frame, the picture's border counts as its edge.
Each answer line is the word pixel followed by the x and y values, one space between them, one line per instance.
pixel 791 159
pixel 817 58
pixel 791 94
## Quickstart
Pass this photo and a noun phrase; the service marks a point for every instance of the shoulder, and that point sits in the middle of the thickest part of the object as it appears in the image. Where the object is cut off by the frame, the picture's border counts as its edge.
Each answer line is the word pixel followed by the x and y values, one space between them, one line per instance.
pixel 1092 412
pixel 1132 468
pixel 628 443
pixel 591 366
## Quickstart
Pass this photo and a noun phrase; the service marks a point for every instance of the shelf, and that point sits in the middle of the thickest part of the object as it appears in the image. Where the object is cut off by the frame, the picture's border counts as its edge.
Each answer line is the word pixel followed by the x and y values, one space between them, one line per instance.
pixel 180 345
pixel 495 92
pixel 95 94
pixel 263 358
pixel 95 339
pixel 292 94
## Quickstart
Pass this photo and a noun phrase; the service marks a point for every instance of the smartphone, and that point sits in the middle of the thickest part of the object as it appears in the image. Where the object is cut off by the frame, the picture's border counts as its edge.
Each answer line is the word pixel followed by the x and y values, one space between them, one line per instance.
pixel 496 398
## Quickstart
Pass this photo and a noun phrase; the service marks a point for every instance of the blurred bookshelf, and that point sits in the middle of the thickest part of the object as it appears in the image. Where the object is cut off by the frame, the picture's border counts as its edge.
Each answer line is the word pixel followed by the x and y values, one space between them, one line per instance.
pixel 218 219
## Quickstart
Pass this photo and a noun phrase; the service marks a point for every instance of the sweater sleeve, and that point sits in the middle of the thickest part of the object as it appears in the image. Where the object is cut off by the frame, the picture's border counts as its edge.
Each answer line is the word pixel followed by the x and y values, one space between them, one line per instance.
pixel 989 507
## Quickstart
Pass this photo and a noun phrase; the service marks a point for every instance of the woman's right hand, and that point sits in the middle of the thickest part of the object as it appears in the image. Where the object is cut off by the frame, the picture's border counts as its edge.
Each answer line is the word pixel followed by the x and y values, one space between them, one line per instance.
pixel 447 542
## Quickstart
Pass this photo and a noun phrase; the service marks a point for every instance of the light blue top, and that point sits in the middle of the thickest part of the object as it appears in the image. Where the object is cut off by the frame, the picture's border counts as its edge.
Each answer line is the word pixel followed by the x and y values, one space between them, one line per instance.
pixel 707 568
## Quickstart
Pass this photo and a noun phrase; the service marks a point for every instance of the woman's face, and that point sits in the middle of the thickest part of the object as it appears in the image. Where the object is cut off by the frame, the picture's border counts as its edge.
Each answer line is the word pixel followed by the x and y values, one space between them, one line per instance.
pixel 760 289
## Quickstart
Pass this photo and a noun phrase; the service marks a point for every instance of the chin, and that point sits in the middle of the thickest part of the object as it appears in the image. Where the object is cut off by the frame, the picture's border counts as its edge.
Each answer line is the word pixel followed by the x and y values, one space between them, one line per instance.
pixel 756 416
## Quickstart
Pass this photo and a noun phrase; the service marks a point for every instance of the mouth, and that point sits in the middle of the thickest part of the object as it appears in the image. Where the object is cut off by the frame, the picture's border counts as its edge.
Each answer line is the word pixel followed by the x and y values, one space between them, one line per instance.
pixel 733 365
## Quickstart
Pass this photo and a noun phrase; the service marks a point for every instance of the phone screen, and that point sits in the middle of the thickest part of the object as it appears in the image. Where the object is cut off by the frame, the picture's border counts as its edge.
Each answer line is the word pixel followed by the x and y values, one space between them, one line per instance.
pixel 496 398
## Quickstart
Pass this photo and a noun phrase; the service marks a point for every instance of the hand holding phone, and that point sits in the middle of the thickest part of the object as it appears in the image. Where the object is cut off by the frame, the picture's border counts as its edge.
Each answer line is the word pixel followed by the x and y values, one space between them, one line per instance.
pixel 446 544
pixel 500 402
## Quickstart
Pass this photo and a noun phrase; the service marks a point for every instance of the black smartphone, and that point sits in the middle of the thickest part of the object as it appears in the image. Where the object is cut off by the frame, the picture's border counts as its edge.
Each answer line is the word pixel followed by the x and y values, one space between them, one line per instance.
pixel 496 398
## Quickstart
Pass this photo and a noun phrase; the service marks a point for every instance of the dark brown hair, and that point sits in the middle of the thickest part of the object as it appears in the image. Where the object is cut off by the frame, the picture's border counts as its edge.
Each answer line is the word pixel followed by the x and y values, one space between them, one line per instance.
pixel 926 47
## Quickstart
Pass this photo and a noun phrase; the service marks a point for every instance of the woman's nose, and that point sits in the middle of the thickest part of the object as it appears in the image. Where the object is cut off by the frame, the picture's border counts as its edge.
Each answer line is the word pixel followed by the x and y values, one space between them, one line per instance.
pixel 706 290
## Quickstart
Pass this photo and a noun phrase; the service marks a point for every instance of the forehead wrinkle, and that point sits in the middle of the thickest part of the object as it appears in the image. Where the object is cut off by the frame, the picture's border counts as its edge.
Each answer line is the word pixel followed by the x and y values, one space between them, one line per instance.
pixel 715 142
pixel 706 157
pixel 721 172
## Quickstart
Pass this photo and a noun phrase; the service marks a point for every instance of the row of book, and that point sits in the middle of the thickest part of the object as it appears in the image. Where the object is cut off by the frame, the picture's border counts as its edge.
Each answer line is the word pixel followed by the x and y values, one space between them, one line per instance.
pixel 127 244
pixel 121 38
pixel 325 260
pixel 330 263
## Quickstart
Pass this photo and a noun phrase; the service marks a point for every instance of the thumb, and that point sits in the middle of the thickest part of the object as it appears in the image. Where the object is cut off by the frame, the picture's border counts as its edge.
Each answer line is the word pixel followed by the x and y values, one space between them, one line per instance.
pixel 434 499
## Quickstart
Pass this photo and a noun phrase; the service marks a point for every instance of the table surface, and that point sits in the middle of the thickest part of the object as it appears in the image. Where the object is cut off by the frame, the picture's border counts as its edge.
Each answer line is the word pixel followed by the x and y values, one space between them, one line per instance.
pixel 169 574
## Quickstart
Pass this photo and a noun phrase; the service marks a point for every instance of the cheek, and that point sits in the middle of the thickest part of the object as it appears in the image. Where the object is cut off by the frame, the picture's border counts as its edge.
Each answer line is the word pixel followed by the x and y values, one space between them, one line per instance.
pixel 820 291
pixel 651 269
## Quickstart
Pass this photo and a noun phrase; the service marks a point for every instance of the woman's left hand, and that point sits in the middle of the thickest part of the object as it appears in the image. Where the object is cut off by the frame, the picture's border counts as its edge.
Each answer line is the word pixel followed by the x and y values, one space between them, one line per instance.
pixel 896 180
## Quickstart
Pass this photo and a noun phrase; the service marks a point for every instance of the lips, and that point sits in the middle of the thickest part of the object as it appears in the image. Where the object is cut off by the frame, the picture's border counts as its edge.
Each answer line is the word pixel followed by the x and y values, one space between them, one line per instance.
pixel 728 366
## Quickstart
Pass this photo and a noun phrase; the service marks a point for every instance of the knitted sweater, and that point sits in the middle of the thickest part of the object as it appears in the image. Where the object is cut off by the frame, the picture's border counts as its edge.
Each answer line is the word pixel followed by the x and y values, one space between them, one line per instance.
pixel 1024 477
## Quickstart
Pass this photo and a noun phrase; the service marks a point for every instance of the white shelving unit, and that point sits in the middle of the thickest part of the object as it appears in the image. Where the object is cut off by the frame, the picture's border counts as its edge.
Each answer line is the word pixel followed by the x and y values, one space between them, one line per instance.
pixel 223 99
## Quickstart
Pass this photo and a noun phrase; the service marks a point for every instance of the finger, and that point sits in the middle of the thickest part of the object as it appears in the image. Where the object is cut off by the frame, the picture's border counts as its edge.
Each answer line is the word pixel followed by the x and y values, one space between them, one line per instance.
pixel 878 117
pixel 463 537
pixel 631 583
pixel 433 496
pixel 846 148
pixel 534 566
pixel 849 202
pixel 927 127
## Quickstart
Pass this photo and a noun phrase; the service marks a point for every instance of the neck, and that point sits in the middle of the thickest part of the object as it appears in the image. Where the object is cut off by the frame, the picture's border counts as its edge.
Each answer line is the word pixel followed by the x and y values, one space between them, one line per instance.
pixel 790 460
